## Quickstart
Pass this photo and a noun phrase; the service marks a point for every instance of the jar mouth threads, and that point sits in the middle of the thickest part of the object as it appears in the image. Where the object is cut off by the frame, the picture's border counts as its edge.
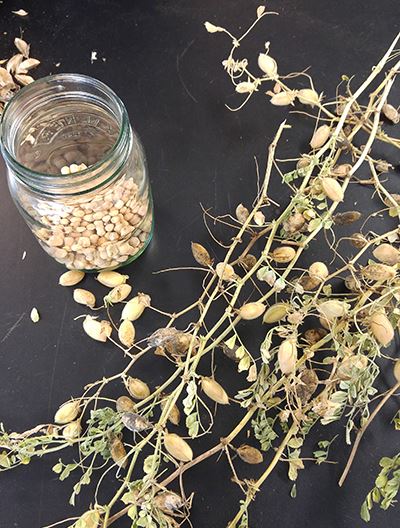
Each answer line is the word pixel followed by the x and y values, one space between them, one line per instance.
pixel 63 119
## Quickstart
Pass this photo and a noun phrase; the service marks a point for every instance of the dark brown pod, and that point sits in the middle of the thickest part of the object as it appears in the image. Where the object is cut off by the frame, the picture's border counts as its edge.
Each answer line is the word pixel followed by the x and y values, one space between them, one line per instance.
pixel 313 335
pixel 347 218
pixel 307 386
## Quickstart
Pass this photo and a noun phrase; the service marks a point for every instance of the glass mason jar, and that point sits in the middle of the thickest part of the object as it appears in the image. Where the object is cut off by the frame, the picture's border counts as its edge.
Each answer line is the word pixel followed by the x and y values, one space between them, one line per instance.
pixel 77 172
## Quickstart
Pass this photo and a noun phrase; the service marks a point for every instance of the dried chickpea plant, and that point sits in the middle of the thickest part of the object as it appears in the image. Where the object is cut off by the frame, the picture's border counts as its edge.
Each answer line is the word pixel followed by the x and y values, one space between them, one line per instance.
pixel 323 350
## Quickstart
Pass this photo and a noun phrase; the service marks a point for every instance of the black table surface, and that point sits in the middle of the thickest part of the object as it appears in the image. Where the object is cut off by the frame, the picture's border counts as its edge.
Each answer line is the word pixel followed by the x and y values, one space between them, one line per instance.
pixel 157 56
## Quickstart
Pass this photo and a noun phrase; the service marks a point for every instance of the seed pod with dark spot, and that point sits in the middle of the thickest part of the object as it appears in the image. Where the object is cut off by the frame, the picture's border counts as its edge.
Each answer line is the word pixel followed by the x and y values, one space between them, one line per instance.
pixel 118 451
pixel 294 223
pixel 341 171
pixel 230 352
pixel 248 261
pixel 346 218
pixel 313 335
pixel 137 388
pixel 201 255
pixel 358 240
pixel 308 283
pixel 303 162
pixel 250 454
pixel 168 501
pixel 134 422
pixel 125 404
pixel 307 386
pixel 379 272
pixel 179 344
pixel 352 283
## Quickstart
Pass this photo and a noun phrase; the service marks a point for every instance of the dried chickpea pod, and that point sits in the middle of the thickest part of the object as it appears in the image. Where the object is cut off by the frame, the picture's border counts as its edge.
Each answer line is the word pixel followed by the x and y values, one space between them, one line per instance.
pixel 177 447
pixel 320 137
pixel 251 310
pixel 71 278
pixel 214 391
pixel 111 279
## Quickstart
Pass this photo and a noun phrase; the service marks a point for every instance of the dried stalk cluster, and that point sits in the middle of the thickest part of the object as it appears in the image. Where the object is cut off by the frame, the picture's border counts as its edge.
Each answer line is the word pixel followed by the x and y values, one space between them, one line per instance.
pixel 318 361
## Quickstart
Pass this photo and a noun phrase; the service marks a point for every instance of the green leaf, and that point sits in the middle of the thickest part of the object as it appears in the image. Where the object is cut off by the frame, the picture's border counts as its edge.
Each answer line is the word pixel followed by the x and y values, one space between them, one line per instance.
pixel 293 491
pixel 150 462
pixel 57 468
pixel 364 512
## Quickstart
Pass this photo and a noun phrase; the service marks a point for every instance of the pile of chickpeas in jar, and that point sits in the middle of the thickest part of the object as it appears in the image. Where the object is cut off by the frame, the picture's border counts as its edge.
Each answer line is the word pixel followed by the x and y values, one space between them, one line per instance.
pixel 77 172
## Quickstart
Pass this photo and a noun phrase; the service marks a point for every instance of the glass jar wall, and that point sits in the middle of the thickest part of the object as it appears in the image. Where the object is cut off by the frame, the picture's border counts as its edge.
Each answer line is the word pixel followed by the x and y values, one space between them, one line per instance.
pixel 77 172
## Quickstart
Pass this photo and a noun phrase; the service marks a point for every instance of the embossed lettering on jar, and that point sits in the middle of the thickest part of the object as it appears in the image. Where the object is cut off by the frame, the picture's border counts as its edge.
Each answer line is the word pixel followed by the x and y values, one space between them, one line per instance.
pixel 77 172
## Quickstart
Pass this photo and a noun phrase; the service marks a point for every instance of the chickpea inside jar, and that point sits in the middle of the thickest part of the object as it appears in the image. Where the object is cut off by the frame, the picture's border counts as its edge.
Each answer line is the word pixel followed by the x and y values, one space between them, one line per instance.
pixel 77 172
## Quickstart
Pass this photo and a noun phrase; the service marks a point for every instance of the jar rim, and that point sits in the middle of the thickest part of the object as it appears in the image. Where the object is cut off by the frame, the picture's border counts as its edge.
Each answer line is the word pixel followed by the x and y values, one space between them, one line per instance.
pixel 74 77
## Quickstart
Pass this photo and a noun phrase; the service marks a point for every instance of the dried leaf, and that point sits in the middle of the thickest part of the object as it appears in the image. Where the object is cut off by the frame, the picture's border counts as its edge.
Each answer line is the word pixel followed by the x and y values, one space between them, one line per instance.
pixel 24 79
pixel 27 64
pixel 22 46
pixel 5 77
pixel 20 12
pixel 14 62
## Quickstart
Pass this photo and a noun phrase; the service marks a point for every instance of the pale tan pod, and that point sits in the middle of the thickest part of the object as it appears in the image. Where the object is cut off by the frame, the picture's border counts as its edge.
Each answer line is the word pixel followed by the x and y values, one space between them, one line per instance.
pixel 84 297
pixel 111 278
pixel 98 330
pixel 251 310
pixel 118 294
pixel 214 391
pixel 387 254
pixel 72 430
pixel 67 412
pixel 331 310
pixel 177 447
pixel 379 272
pixel 245 87
pixel 308 96
pixel 242 213
pixel 283 254
pixel 332 189
pixel 275 313
pixel 225 271
pixel 283 98
pixel 125 404
pixel 381 328
pixel 287 356
pixel 268 65
pixel 126 333
pixel 391 113
pixel 137 388
pixel 134 308
pixel 320 137
pixel 318 270
pixel 71 278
